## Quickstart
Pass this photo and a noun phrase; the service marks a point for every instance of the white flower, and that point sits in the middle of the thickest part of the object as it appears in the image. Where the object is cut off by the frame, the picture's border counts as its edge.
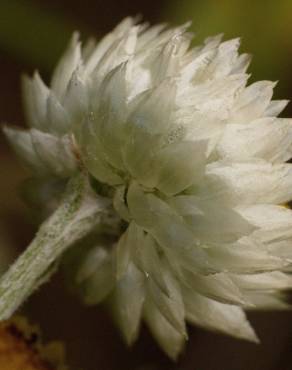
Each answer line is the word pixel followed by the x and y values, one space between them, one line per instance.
pixel 195 163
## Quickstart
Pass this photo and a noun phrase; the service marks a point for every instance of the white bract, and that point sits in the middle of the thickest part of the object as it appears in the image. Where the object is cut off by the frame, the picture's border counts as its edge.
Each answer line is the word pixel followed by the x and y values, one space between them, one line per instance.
pixel 195 163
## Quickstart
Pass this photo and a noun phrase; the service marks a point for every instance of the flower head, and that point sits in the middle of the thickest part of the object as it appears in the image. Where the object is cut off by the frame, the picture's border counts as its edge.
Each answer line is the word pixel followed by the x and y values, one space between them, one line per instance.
pixel 194 162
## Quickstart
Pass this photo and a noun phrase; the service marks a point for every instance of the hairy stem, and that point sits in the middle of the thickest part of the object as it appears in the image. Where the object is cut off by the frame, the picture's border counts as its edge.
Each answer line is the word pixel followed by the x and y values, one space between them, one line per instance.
pixel 79 212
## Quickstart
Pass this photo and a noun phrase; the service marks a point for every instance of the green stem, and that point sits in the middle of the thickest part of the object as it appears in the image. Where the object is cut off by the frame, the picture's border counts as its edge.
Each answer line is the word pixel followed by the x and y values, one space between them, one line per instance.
pixel 79 212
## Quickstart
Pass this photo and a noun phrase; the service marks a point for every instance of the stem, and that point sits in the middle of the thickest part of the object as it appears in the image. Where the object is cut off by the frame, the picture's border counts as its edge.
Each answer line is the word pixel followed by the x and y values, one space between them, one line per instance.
pixel 80 211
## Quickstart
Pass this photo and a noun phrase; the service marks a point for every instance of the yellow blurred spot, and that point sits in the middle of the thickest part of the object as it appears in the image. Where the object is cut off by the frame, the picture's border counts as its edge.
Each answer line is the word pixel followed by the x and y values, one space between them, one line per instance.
pixel 21 348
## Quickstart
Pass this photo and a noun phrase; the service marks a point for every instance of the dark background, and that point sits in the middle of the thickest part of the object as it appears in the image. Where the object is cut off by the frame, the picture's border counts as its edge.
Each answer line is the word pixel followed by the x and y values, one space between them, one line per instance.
pixel 33 35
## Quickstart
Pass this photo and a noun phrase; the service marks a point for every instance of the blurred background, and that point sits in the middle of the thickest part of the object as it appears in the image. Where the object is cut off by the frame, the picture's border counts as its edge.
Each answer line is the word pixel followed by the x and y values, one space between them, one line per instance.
pixel 33 34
